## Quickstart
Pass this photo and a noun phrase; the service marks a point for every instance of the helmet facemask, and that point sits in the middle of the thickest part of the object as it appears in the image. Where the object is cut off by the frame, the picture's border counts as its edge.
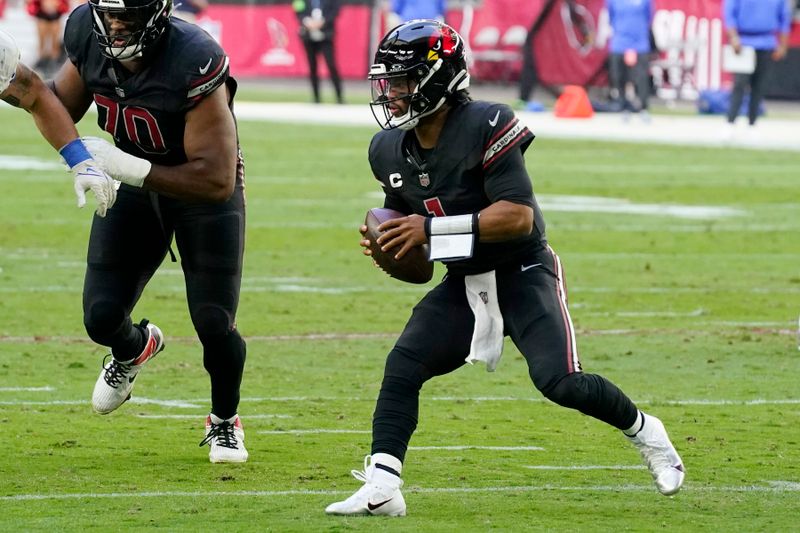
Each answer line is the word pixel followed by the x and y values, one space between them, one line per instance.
pixel 144 21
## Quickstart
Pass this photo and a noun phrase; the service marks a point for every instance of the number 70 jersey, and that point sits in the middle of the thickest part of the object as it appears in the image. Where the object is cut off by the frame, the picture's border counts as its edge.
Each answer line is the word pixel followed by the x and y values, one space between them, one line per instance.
pixel 145 112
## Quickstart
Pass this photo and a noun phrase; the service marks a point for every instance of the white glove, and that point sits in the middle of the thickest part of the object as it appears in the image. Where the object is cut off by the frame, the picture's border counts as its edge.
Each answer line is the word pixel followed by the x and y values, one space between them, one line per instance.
pixel 124 167
pixel 89 175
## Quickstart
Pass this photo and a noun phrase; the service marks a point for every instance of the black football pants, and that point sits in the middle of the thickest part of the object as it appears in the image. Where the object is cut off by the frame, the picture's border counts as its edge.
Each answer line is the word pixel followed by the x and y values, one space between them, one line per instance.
pixel 125 249
pixel 437 339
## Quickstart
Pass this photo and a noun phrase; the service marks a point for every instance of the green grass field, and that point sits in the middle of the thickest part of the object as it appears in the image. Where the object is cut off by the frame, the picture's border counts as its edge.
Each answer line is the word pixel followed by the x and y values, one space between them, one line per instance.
pixel 692 317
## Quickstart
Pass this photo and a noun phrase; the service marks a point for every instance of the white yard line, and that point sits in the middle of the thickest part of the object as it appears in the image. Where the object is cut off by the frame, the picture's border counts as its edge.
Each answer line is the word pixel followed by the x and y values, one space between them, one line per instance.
pixel 585 467
pixel 782 328
pixel 491 448
pixel 309 431
pixel 198 403
pixel 27 389
pixel 202 415
pixel 775 487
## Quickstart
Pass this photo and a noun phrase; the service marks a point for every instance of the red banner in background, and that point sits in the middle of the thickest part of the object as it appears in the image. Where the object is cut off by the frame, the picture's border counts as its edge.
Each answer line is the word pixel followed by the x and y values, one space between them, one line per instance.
pixel 262 40
pixel 564 55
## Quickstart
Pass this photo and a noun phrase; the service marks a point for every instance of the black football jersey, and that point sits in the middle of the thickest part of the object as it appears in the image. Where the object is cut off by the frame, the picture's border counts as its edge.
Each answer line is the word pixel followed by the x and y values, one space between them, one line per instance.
pixel 477 161
pixel 145 112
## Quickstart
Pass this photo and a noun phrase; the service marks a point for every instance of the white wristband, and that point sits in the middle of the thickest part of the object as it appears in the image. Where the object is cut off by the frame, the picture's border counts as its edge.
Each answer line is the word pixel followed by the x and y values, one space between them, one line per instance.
pixel 452 225
pixel 452 238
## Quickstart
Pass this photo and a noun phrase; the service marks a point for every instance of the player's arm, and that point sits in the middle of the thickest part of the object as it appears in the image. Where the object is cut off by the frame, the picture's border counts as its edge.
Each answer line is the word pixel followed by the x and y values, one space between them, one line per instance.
pixel 209 140
pixel 511 213
pixel 30 93
pixel 504 220
pixel 70 89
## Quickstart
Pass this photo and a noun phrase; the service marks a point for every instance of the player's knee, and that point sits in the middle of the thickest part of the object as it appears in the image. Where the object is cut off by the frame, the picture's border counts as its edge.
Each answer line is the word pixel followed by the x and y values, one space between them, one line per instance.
pixel 569 391
pixel 403 368
pixel 211 321
pixel 102 320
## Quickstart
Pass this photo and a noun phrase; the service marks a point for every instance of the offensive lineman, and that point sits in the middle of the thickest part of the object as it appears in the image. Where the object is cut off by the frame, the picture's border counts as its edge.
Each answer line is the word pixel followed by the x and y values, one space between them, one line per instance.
pixel 21 87
pixel 456 167
pixel 163 92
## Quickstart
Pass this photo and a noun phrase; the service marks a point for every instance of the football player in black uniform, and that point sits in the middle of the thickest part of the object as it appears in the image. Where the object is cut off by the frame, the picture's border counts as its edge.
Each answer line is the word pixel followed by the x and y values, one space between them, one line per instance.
pixel 21 87
pixel 456 167
pixel 163 92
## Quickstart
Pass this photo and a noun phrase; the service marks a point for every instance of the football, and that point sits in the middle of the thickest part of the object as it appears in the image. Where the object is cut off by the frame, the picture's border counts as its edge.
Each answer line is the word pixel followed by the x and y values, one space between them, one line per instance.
pixel 414 267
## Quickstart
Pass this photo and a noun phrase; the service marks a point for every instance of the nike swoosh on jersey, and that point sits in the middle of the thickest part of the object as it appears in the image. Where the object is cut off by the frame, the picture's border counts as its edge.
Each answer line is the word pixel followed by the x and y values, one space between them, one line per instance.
pixel 204 69
pixel 372 506
pixel 528 267
pixel 493 122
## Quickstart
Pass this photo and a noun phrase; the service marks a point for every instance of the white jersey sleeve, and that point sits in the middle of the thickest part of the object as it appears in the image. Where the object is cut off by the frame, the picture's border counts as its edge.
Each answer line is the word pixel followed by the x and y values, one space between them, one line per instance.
pixel 9 59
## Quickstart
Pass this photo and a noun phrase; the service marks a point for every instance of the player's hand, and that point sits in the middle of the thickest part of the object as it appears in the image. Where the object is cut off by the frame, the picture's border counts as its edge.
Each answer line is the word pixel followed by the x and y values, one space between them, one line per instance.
pixel 364 243
pixel 122 166
pixel 89 176
pixel 779 53
pixel 405 232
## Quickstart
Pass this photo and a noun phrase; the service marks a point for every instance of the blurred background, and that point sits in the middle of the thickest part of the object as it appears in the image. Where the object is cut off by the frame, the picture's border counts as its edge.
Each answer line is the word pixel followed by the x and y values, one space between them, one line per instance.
pixel 568 39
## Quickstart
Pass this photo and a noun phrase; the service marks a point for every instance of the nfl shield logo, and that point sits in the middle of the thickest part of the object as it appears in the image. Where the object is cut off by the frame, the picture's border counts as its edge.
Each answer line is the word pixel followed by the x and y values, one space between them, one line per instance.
pixel 120 92
pixel 424 179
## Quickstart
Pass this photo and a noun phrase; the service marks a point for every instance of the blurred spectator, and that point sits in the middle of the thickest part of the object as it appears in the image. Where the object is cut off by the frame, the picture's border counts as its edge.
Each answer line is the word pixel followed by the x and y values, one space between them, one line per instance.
pixel 48 15
pixel 403 10
pixel 629 57
pixel 189 10
pixel 764 26
pixel 317 28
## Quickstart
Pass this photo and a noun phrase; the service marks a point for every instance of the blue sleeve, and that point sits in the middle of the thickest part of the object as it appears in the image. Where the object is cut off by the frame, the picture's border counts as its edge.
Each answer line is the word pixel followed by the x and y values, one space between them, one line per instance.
pixel 610 6
pixel 730 10
pixel 443 8
pixel 652 11
pixel 785 18
pixel 397 5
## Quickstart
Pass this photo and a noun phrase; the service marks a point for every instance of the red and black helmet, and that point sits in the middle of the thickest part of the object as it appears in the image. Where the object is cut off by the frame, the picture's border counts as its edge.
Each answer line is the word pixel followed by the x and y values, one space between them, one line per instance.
pixel 427 54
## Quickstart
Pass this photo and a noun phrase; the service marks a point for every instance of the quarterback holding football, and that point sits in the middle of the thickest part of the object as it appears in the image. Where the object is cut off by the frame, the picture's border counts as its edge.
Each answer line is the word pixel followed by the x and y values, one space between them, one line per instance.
pixel 455 167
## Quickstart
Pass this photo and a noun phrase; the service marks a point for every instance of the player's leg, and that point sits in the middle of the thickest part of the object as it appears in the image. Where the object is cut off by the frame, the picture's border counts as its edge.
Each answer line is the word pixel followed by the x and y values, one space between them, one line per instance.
pixel 534 306
pixel 210 239
pixel 435 341
pixel 125 249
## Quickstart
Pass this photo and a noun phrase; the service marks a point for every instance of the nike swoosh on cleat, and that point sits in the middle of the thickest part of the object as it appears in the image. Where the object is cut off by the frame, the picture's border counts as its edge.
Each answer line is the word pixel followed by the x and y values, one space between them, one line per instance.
pixel 130 380
pixel 524 268
pixel 204 69
pixel 493 122
pixel 372 506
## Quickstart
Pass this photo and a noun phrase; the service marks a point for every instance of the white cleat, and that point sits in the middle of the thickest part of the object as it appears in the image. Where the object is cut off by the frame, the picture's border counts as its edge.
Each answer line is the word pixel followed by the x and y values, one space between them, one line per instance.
pixel 380 494
pixel 660 456
pixel 226 439
pixel 115 383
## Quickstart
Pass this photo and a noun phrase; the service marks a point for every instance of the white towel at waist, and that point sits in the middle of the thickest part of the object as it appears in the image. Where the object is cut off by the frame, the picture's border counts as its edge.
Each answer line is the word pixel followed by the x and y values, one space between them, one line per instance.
pixel 487 338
